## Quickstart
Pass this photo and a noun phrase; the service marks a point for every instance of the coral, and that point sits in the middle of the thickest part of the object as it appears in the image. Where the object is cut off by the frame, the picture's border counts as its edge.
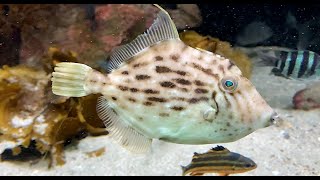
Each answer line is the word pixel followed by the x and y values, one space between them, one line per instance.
pixel 222 48
pixel 308 98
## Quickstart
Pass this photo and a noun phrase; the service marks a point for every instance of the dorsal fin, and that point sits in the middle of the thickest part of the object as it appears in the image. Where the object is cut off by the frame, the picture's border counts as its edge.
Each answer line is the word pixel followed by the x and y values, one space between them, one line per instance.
pixel 162 29
pixel 120 131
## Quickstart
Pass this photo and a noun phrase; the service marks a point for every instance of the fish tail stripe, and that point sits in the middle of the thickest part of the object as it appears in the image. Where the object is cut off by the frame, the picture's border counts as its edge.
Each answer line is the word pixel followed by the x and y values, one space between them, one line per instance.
pixel 292 62
pixel 314 64
pixel 283 57
pixel 304 64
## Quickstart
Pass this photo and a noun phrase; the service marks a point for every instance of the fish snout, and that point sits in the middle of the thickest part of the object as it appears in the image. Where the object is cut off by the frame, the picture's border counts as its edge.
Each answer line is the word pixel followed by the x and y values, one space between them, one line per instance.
pixel 275 118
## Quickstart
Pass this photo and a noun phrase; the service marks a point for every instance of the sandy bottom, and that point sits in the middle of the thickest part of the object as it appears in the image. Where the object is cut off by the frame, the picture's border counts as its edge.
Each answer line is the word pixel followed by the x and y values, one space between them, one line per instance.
pixel 293 149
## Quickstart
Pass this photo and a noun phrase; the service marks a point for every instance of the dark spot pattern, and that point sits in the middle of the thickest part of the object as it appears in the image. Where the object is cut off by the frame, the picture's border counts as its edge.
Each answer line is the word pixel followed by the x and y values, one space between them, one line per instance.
pixel 182 73
pixel 206 71
pixel 221 68
pixel 167 84
pixel 148 103
pixel 177 108
pixel 125 73
pixel 132 99
pixel 163 69
pixel 174 57
pixel 142 77
pixel 159 58
pixel 200 91
pixel 134 89
pixel 114 98
pixel 150 91
pixel 182 81
pixel 231 64
pixel 199 83
pixel 196 100
pixel 164 114
pixel 157 99
pixel 123 88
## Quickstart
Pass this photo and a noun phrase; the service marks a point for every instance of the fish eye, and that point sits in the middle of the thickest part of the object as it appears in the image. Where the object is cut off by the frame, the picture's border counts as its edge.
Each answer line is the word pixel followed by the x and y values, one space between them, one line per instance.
pixel 248 165
pixel 229 84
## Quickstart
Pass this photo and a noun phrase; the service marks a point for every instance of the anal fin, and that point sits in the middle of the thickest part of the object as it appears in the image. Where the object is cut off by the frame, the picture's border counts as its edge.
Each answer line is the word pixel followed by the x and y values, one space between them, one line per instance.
pixel 120 131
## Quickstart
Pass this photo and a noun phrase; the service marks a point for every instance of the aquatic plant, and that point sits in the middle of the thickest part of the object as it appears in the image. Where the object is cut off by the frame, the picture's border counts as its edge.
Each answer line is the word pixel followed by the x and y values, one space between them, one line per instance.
pixel 222 48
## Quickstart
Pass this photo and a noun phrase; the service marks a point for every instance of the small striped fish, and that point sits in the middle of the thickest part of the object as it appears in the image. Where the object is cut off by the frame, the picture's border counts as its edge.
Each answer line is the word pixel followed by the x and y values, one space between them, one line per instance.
pixel 160 88
pixel 218 160
pixel 295 64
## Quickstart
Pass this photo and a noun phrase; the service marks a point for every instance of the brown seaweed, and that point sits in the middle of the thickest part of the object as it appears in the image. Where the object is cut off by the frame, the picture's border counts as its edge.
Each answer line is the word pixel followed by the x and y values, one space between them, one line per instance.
pixel 222 48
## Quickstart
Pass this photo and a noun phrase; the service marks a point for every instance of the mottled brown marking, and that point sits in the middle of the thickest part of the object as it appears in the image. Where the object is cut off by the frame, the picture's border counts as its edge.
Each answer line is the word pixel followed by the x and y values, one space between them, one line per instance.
pixel 177 108
pixel 206 71
pixel 179 98
pixel 164 114
pixel 230 134
pixel 184 48
pixel 228 124
pixel 123 88
pixel 214 62
pixel 200 91
pixel 174 57
pixel 142 77
pixel 93 81
pixel 230 116
pixel 199 83
pixel 196 100
pixel 150 91
pixel 221 68
pixel 200 57
pixel 132 99
pixel 184 89
pixel 182 81
pixel 140 118
pixel 134 89
pixel 224 129
pixel 114 98
pixel 231 64
pixel 167 84
pixel 159 58
pixel 148 103
pixel 227 100
pixel 163 69
pixel 213 96
pixel 182 73
pixel 125 72
pixel 136 65
pixel 156 99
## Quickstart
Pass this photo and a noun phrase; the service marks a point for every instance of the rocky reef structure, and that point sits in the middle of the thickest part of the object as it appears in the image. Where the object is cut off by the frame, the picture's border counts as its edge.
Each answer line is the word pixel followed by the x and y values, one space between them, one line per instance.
pixel 308 98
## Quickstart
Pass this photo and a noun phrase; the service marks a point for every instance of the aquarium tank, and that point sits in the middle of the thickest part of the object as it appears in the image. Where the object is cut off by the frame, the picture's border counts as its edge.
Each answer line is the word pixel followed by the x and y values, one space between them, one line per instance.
pixel 160 89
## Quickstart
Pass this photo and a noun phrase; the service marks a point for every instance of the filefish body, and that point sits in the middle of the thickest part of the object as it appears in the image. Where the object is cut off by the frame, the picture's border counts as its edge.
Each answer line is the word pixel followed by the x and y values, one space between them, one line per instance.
pixel 158 87
pixel 296 64
pixel 218 160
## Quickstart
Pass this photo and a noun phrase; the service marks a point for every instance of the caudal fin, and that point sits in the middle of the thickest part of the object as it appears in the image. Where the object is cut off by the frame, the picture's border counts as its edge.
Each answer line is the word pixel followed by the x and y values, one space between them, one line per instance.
pixel 69 79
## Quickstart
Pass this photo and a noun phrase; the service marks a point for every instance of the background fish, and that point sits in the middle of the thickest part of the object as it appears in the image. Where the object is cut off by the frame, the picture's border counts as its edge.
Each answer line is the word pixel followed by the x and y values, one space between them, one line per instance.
pixel 292 63
pixel 158 87
pixel 218 160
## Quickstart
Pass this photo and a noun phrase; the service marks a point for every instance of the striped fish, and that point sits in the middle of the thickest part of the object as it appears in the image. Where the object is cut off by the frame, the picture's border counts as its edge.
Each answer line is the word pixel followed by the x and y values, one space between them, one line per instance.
pixel 295 64
pixel 160 88
pixel 218 160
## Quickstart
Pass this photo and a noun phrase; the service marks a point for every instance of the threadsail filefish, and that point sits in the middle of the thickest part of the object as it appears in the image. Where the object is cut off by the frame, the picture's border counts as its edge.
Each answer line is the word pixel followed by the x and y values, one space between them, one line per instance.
pixel 218 160
pixel 296 64
pixel 160 88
